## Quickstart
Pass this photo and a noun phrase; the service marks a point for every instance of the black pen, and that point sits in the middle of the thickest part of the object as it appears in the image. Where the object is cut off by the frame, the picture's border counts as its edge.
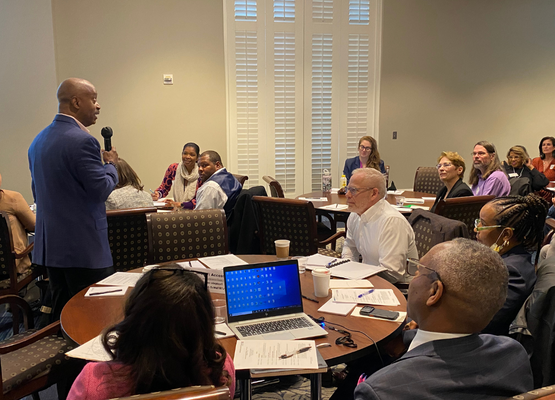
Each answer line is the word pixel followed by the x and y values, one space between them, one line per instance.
pixel 308 298
pixel 109 291
pixel 302 350
pixel 220 333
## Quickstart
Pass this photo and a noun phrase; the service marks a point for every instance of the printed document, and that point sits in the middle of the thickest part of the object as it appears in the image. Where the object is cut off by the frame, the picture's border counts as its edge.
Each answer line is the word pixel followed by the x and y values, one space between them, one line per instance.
pixel 121 279
pixel 380 297
pixel 265 354
pixel 219 262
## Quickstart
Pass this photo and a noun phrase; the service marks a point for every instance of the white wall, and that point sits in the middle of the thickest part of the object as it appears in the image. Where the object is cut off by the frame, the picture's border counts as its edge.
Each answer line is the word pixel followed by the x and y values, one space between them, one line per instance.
pixel 27 85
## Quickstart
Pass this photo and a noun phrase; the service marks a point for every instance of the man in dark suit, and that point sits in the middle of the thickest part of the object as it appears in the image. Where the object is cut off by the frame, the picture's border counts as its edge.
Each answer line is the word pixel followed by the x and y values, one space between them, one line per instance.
pixel 70 185
pixel 457 288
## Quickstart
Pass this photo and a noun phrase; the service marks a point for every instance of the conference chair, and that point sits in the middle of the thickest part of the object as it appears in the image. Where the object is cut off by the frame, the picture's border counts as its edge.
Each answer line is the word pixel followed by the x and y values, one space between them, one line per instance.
pixel 188 393
pixel 534 325
pixel 275 187
pixel 294 220
pixel 544 393
pixel 34 359
pixel 465 209
pixel 241 178
pixel 128 237
pixel 180 235
pixel 242 224
pixel 10 281
pixel 427 180
pixel 431 229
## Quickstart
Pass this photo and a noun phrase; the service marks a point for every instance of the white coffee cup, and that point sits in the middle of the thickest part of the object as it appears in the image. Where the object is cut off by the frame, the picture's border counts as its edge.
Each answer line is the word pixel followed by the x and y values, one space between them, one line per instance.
pixel 321 278
pixel 282 248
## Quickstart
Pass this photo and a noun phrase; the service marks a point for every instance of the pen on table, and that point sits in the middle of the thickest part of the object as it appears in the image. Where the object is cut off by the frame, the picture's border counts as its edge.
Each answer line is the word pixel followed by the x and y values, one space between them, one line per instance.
pixel 220 333
pixel 331 262
pixel 108 291
pixel 365 293
pixel 302 350
pixel 337 205
pixel 190 265
pixel 308 298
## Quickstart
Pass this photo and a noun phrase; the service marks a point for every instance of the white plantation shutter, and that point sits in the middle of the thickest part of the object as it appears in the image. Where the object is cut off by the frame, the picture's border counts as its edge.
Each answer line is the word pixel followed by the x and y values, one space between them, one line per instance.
pixel 302 86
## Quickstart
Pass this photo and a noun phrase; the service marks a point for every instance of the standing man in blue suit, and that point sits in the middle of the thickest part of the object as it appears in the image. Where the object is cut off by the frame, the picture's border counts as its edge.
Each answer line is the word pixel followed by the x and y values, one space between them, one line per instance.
pixel 70 185
pixel 458 287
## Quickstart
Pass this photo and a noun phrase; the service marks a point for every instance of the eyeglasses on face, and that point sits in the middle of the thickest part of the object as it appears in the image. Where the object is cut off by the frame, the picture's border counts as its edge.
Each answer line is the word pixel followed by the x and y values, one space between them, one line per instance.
pixel 361 147
pixel 413 265
pixel 354 191
pixel 478 225
pixel 444 165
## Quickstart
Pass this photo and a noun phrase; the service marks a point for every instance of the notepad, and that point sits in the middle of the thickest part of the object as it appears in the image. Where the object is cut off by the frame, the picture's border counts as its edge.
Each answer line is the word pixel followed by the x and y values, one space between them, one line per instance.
pixel 350 283
pixel 333 307
pixel 336 207
pixel 409 200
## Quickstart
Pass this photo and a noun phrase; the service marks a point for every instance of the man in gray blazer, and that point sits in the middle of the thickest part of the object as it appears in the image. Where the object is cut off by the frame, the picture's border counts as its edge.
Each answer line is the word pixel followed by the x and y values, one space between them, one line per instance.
pixel 458 287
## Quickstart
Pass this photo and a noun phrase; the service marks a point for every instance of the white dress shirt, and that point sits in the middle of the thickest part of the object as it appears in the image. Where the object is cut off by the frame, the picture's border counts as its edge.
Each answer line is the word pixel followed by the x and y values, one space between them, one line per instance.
pixel 211 195
pixel 422 337
pixel 383 236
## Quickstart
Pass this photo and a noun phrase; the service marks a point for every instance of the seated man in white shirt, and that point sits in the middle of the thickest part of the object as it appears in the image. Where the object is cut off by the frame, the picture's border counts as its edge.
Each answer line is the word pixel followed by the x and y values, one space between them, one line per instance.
pixel 377 231
pixel 458 287
pixel 219 188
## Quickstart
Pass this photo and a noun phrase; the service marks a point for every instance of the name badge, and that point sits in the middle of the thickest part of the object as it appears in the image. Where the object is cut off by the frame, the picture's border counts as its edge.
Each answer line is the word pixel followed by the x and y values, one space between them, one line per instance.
pixel 513 175
pixel 552 166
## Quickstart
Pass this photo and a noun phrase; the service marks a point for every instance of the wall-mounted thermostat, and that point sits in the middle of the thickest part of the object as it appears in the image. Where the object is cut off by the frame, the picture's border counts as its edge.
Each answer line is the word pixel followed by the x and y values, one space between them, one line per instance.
pixel 168 79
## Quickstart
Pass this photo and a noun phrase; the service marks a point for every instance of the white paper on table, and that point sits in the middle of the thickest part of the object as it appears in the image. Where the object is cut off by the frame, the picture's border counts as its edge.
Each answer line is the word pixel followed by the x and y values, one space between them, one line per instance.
pixel 314 198
pixel 401 209
pixel 350 283
pixel 334 190
pixel 93 350
pixel 265 354
pixel 103 291
pixel 121 279
pixel 333 307
pixel 192 264
pixel 355 270
pixel 215 276
pixel 420 207
pixel 318 261
pixel 400 318
pixel 158 203
pixel 429 198
pixel 219 262
pixel 380 297
pixel 410 200
pixel 334 207
pixel 225 329
pixel 396 192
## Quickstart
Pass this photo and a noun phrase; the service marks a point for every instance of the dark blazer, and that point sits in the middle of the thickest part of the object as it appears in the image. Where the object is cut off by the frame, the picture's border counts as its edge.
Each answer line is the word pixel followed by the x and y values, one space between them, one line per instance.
pixel 354 163
pixel 538 180
pixel 522 278
pixel 460 189
pixel 471 367
pixel 70 185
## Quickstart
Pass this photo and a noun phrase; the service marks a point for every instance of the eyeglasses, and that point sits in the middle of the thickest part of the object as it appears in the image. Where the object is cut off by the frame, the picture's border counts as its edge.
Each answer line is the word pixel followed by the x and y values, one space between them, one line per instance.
pixel 354 191
pixel 413 265
pixel 154 275
pixel 478 227
pixel 361 147
pixel 444 165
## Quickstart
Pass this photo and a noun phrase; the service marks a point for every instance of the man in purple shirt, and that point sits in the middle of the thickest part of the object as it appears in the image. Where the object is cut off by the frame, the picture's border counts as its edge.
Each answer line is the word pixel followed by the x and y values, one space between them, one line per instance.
pixel 488 177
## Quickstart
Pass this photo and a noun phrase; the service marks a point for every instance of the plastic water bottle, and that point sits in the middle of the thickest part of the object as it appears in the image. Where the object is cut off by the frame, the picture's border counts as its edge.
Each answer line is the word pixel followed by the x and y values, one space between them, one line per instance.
pixel 326 181
pixel 343 181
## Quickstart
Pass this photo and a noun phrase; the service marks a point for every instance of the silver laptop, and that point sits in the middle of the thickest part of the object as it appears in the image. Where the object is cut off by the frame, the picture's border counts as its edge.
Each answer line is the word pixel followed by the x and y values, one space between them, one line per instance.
pixel 264 302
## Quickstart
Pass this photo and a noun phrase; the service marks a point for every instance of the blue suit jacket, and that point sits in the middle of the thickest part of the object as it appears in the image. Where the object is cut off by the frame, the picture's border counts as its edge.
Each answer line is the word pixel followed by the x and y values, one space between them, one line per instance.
pixel 471 367
pixel 70 186
pixel 354 163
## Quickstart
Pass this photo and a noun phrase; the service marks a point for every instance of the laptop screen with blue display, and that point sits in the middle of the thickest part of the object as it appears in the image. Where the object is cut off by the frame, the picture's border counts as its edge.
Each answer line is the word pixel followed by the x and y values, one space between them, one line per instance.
pixel 262 289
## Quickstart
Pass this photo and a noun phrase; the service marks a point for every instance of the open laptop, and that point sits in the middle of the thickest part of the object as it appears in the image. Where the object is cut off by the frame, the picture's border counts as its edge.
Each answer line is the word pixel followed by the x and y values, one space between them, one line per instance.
pixel 264 302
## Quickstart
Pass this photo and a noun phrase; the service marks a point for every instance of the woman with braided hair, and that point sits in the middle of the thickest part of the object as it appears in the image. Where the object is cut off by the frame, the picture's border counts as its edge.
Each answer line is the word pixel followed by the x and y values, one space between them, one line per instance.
pixel 513 226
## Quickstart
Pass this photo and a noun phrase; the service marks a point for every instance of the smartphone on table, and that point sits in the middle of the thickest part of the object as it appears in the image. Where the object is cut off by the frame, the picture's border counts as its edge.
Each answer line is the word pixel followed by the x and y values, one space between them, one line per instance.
pixel 378 313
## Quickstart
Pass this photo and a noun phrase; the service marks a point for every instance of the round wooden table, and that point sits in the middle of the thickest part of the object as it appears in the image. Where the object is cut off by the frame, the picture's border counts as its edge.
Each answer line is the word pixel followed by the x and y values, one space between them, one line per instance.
pixel 84 318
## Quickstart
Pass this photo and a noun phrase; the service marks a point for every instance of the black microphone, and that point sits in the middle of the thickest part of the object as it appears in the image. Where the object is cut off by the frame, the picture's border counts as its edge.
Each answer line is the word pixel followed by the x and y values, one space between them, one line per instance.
pixel 107 133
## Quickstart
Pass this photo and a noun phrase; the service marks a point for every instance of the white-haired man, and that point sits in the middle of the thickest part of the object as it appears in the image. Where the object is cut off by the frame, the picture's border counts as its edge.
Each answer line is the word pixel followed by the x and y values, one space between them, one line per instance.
pixel 376 230
pixel 457 289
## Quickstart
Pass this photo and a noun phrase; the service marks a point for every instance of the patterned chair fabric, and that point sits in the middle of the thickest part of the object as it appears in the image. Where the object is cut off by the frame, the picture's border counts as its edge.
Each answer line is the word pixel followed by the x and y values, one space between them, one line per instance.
pixel 294 220
pixel 128 237
pixel 192 392
pixel 427 180
pixel 10 281
pixel 34 359
pixel 465 209
pixel 275 187
pixel 431 229
pixel 186 234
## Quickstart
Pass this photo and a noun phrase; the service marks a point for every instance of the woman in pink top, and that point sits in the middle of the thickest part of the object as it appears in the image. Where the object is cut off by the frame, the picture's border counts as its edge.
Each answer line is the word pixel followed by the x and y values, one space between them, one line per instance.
pixel 165 341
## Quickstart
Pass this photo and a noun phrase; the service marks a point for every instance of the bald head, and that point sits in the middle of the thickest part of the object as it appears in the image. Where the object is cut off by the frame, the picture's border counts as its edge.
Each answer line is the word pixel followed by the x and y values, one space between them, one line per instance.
pixel 77 97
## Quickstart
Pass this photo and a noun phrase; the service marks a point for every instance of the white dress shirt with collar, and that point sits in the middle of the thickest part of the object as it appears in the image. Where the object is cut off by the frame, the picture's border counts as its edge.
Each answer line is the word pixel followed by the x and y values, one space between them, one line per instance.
pixel 211 195
pixel 383 236
pixel 422 337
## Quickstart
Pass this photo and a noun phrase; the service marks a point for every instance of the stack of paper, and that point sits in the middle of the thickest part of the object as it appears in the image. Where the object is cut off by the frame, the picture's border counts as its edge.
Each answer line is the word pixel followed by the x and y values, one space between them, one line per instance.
pixel 348 270
pixel 219 262
pixel 380 297
pixel 266 354
pixel 121 279
pixel 333 307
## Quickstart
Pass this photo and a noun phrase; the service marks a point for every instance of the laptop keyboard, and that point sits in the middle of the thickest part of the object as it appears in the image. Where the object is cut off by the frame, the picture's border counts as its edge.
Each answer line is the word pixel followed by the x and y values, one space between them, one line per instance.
pixel 274 326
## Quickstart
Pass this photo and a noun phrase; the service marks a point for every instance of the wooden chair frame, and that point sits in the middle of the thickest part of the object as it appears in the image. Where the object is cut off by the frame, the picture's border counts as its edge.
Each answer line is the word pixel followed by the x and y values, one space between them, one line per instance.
pixel 275 186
